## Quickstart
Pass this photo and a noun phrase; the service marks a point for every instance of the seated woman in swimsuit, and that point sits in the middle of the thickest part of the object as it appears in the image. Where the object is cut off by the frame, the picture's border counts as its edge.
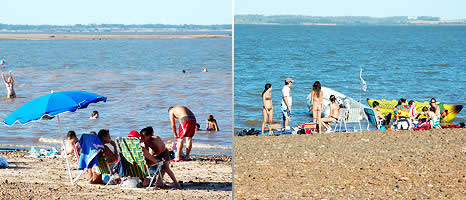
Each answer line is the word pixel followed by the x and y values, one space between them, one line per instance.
pixel 9 85
pixel 211 124
pixel 267 109
pixel 316 105
pixel 334 114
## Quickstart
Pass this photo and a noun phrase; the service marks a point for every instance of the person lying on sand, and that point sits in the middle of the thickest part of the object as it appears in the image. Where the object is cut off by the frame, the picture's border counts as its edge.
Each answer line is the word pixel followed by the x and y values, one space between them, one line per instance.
pixel 154 149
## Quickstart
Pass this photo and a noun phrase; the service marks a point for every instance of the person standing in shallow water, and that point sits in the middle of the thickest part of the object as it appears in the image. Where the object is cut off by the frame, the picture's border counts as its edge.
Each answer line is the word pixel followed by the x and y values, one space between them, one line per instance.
pixel 9 85
pixel 267 109
pixel 187 128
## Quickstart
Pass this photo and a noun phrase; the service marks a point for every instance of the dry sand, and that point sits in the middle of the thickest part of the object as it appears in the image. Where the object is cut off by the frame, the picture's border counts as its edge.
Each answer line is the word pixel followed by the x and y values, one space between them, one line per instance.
pixel 363 165
pixel 35 36
pixel 47 178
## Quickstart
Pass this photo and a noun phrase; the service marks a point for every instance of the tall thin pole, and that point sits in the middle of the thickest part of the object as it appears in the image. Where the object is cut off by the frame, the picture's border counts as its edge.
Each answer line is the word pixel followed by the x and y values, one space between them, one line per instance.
pixel 66 152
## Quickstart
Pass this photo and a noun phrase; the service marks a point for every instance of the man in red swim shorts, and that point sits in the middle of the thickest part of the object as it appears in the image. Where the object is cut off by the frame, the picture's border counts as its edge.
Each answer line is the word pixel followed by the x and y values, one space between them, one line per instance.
pixel 186 130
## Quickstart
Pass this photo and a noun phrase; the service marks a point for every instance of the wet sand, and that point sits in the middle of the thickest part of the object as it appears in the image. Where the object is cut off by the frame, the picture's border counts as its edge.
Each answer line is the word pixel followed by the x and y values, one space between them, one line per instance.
pixel 363 165
pixel 209 177
pixel 99 36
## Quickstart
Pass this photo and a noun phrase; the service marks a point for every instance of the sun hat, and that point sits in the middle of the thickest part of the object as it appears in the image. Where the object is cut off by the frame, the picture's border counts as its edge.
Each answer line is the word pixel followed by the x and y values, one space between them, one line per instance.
pixel 289 79
pixel 134 133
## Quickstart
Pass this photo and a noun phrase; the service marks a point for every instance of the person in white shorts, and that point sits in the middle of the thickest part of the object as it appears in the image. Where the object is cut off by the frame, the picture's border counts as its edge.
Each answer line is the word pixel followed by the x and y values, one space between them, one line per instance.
pixel 287 100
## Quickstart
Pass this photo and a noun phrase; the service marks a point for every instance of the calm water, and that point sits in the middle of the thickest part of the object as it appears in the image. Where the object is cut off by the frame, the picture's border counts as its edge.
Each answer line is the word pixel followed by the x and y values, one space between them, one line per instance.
pixel 415 62
pixel 140 78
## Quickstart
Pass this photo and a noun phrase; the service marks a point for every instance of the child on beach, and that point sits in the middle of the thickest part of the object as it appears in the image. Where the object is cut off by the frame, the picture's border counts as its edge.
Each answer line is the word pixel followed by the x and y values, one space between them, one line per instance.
pixel 267 109
pixel 317 104
pixel 334 114
pixel 154 150
pixel 9 85
pixel 211 124
pixel 72 144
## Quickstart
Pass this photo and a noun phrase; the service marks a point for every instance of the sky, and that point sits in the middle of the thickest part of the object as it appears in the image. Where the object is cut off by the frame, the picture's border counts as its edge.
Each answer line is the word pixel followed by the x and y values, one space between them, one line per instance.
pixel 69 12
pixel 446 9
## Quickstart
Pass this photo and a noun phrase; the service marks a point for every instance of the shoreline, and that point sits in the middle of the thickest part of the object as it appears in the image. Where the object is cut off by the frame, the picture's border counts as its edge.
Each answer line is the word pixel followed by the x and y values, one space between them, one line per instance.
pixel 353 165
pixel 207 177
pixel 40 36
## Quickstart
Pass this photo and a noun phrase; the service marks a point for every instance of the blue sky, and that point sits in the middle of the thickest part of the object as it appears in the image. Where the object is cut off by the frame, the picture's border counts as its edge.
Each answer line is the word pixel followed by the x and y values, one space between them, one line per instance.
pixel 446 9
pixel 65 12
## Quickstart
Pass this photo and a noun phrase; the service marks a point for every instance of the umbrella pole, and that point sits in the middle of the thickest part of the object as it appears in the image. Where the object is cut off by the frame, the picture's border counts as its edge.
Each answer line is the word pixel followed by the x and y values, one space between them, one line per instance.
pixel 66 154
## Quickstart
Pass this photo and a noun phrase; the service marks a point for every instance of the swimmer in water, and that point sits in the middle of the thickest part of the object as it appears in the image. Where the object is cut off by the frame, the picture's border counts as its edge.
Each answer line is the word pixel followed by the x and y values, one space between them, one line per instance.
pixel 94 115
pixel 204 69
pixel 9 85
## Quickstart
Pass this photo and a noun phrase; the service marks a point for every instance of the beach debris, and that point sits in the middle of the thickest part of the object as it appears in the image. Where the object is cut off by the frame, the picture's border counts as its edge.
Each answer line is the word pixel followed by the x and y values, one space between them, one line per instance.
pixel 245 132
pixel 34 153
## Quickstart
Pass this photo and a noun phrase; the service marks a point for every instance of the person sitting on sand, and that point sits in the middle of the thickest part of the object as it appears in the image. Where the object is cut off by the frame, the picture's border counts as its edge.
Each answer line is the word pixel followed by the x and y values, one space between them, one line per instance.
pixel 433 103
pixel 402 114
pixel 267 108
pixel 334 114
pixel 72 144
pixel 378 116
pixel 112 157
pixel 211 124
pixel 433 118
pixel 94 115
pixel 9 85
pixel 154 150
pixel 317 104
pixel 187 128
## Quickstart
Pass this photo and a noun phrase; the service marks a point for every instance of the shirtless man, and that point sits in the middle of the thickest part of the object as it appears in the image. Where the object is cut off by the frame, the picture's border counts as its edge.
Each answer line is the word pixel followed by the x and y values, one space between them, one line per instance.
pixel 9 85
pixel 334 114
pixel 154 150
pixel 186 129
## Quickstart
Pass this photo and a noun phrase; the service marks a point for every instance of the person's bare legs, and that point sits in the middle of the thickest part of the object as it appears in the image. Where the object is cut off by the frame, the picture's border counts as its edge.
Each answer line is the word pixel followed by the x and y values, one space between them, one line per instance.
pixel 316 112
pixel 264 120
pixel 166 168
pixel 270 116
pixel 326 120
pixel 179 148
pixel 189 145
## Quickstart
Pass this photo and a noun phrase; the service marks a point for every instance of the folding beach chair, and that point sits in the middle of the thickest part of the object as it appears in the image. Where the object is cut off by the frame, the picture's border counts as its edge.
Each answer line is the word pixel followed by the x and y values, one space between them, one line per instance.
pixel 131 149
pixel 353 116
pixel 341 119
pixel 371 119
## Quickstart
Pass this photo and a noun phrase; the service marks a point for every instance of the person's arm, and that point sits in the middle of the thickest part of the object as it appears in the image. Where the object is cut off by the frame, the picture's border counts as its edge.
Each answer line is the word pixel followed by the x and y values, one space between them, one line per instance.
pixel 149 156
pixel 12 79
pixel 322 99
pixel 263 100
pixel 172 124
pixel 312 102
pixel 207 124
pixel 216 125
pixel 3 76
pixel 115 150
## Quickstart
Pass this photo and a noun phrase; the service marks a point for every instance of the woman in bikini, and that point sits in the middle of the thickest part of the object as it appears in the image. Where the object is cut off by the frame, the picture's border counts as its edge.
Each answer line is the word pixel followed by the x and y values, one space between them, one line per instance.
pixel 334 114
pixel 267 109
pixel 9 85
pixel 316 105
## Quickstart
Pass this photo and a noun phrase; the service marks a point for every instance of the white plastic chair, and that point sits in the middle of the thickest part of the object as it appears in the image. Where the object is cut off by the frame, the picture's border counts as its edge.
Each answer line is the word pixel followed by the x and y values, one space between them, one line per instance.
pixel 353 116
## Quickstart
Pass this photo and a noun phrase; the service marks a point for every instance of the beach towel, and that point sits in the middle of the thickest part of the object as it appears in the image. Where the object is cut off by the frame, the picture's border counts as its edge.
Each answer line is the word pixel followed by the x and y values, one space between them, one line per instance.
pixel 3 162
pixel 90 147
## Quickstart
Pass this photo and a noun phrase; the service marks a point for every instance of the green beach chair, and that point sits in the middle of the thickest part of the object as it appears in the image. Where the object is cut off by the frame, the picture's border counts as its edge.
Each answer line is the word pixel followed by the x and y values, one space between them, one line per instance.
pixel 131 149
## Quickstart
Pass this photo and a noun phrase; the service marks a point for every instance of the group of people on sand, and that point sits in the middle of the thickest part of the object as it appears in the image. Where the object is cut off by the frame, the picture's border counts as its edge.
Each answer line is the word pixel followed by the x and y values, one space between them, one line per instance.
pixel 153 147
pixel 406 116
pixel 287 101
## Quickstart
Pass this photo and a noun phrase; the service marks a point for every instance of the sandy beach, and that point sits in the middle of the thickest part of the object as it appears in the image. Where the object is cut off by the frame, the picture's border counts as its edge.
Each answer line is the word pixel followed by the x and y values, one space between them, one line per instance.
pixel 208 177
pixel 99 36
pixel 362 165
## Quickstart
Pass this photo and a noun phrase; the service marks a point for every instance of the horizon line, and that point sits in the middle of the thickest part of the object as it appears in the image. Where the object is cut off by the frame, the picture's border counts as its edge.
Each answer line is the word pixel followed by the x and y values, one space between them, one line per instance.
pixel 269 15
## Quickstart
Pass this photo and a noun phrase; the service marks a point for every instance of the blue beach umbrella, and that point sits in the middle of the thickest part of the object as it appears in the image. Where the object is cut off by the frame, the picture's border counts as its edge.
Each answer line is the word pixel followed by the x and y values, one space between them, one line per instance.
pixel 53 104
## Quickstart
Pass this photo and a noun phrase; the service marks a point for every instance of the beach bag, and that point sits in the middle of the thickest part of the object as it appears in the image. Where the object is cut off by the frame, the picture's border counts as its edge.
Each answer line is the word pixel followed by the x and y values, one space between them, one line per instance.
pixel 309 127
pixel 121 168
